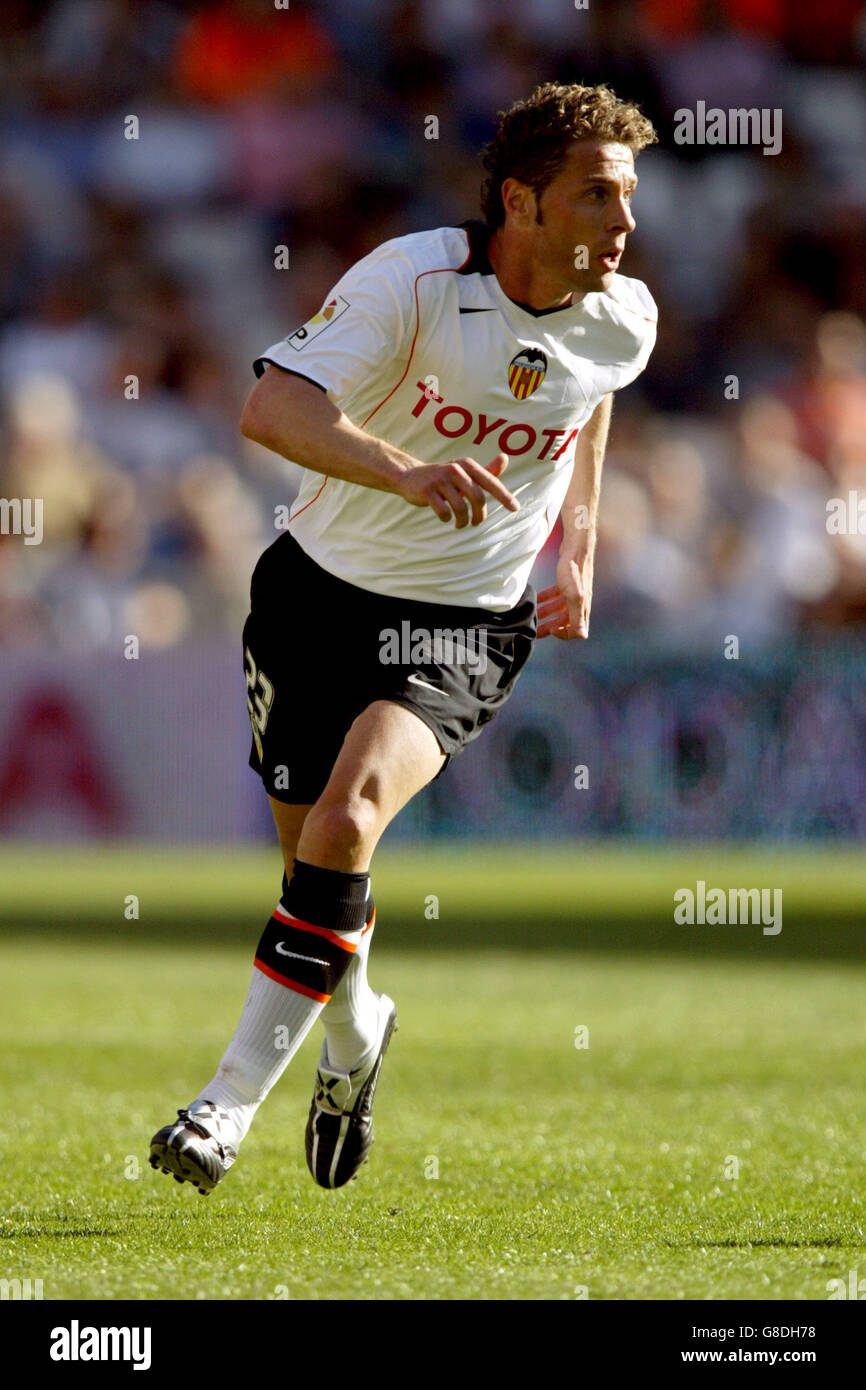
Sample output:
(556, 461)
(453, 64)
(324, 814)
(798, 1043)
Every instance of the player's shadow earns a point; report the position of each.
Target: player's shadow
(731, 1243)
(61, 1232)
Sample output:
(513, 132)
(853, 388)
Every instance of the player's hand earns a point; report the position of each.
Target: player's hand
(458, 490)
(563, 609)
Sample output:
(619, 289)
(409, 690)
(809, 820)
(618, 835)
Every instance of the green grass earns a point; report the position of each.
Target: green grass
(558, 1169)
(586, 895)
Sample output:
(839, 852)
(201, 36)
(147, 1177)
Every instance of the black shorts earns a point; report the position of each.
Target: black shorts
(318, 651)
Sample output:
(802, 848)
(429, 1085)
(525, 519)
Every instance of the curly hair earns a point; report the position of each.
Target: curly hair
(534, 136)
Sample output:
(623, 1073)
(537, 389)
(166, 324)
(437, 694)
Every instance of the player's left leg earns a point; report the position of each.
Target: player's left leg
(351, 1016)
(388, 755)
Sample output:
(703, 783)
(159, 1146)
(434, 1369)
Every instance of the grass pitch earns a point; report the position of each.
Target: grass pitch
(707, 1143)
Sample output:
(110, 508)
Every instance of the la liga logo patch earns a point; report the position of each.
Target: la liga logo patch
(526, 372)
(318, 323)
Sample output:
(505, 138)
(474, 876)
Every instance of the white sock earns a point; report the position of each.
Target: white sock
(275, 1021)
(351, 1018)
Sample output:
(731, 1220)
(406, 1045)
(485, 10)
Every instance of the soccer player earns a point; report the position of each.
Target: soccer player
(391, 621)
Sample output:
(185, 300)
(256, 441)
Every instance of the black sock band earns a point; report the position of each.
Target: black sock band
(307, 955)
(327, 897)
(308, 959)
(369, 907)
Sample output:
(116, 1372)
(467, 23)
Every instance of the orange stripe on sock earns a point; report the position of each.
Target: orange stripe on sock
(283, 916)
(290, 984)
(369, 926)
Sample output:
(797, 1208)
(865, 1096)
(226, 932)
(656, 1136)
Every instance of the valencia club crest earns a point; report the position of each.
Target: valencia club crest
(526, 372)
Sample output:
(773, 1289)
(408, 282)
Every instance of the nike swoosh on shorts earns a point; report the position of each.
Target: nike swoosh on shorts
(415, 679)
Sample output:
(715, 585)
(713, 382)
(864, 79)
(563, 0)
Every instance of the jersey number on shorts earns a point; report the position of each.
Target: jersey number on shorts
(259, 700)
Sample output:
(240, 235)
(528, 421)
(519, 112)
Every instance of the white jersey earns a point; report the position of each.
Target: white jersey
(418, 344)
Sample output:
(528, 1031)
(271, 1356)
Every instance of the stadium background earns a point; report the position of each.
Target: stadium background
(137, 861)
(306, 128)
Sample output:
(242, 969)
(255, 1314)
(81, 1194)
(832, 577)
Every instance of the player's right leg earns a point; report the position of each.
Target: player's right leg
(304, 692)
(306, 949)
(202, 1143)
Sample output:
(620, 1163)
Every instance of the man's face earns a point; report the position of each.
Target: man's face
(583, 216)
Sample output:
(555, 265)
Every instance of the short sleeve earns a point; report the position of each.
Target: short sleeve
(640, 319)
(361, 331)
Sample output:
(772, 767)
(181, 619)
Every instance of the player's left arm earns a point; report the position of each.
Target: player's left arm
(563, 609)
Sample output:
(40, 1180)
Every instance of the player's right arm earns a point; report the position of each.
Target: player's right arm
(295, 418)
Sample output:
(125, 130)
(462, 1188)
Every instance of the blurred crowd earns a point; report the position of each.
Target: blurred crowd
(138, 282)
